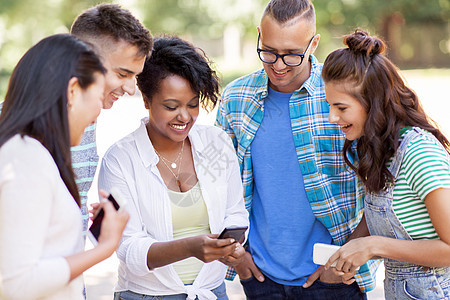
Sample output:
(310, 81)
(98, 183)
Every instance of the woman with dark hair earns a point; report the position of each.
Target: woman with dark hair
(181, 182)
(404, 164)
(55, 91)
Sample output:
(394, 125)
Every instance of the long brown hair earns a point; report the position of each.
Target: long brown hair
(389, 103)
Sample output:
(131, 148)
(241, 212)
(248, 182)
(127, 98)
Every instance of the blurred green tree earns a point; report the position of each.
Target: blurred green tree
(25, 22)
(417, 31)
(406, 25)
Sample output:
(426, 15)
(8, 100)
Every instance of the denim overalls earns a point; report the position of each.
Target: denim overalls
(403, 280)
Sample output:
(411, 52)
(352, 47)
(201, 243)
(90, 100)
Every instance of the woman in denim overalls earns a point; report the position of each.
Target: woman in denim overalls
(403, 158)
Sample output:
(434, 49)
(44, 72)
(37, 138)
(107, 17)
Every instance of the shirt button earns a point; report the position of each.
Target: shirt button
(248, 137)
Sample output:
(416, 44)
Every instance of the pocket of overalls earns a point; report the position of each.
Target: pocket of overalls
(377, 220)
(423, 287)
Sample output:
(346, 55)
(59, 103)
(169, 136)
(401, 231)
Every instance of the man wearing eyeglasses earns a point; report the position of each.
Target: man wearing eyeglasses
(296, 186)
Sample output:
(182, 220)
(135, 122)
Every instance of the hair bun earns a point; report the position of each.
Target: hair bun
(361, 42)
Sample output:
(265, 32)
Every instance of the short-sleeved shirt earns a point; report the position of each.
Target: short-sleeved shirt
(425, 168)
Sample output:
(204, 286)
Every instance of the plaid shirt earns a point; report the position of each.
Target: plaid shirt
(335, 194)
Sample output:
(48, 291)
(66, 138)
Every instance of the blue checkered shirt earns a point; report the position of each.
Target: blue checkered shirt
(334, 192)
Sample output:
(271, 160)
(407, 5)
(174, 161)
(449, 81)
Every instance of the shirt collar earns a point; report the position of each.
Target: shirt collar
(314, 79)
(144, 145)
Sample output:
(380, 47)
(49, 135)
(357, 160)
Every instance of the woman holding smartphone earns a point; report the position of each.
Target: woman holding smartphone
(54, 92)
(181, 181)
(404, 164)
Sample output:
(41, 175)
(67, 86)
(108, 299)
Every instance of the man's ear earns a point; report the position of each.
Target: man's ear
(73, 88)
(315, 43)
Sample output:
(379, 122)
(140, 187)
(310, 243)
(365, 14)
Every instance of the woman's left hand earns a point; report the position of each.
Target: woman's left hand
(234, 258)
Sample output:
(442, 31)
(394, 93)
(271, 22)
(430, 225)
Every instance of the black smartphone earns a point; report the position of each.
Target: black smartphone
(94, 230)
(237, 233)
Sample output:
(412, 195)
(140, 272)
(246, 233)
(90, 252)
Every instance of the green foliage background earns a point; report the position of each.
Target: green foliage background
(418, 32)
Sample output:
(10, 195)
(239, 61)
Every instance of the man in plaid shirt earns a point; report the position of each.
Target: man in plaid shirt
(297, 187)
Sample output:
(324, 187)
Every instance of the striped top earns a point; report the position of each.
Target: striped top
(84, 163)
(335, 194)
(425, 168)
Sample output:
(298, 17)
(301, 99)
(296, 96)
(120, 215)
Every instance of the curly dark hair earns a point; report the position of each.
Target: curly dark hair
(115, 22)
(389, 103)
(174, 56)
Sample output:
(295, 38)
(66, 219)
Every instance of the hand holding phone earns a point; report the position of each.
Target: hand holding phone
(118, 203)
(323, 252)
(237, 233)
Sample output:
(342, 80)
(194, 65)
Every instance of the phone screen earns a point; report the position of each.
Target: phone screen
(233, 232)
(97, 222)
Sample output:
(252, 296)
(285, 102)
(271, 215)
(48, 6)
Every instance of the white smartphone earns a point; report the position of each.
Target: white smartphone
(94, 230)
(322, 252)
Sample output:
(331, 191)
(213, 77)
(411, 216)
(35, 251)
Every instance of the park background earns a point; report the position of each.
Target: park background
(417, 33)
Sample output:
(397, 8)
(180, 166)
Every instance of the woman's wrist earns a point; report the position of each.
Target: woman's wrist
(105, 249)
(376, 246)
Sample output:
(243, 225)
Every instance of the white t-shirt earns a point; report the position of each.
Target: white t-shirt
(40, 224)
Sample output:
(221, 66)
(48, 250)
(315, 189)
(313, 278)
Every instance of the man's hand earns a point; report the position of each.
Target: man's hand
(247, 268)
(328, 276)
(234, 258)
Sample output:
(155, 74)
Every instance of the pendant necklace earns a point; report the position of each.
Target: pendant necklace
(173, 165)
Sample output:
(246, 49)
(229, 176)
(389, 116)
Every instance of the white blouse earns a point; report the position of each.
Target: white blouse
(40, 224)
(130, 165)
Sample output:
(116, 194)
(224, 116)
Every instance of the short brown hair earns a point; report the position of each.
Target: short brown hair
(115, 22)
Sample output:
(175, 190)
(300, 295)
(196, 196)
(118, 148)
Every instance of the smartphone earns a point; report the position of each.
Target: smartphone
(237, 233)
(94, 230)
(322, 252)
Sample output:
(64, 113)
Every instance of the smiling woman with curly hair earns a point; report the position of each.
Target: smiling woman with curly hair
(182, 181)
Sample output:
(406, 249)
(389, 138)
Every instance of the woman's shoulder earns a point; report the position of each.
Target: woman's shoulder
(126, 143)
(26, 152)
(210, 133)
(423, 139)
(425, 146)
(25, 146)
(206, 128)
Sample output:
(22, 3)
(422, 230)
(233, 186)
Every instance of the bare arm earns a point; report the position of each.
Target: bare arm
(361, 230)
(206, 248)
(431, 253)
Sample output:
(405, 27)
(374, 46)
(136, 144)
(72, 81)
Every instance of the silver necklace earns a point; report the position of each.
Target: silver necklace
(173, 164)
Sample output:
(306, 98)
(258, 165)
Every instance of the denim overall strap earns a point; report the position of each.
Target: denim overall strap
(380, 217)
(403, 280)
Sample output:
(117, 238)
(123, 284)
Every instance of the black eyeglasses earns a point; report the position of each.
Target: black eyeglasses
(291, 59)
